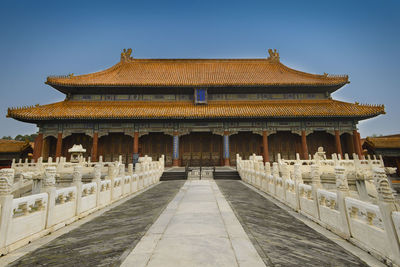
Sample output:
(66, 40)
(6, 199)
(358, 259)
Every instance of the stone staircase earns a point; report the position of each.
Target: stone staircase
(226, 175)
(173, 175)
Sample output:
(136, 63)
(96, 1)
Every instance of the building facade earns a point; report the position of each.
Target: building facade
(197, 112)
(387, 146)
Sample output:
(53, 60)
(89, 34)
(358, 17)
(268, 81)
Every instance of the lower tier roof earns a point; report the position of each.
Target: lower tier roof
(72, 110)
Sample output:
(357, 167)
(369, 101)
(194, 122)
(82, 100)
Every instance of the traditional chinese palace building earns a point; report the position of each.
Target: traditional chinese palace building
(197, 112)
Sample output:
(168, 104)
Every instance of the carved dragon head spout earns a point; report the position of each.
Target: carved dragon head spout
(273, 55)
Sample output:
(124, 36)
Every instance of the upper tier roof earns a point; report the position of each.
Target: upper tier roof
(132, 72)
(83, 110)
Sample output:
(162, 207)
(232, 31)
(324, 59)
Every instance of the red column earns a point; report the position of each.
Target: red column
(226, 148)
(356, 143)
(175, 150)
(94, 146)
(37, 150)
(265, 147)
(136, 143)
(359, 144)
(59, 145)
(304, 147)
(338, 143)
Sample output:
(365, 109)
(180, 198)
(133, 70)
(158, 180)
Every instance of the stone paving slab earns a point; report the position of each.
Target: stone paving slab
(107, 239)
(281, 239)
(198, 228)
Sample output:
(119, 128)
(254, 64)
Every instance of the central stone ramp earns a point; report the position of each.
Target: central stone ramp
(198, 228)
(281, 239)
(107, 239)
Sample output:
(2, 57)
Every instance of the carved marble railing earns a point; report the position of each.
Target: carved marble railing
(27, 218)
(371, 223)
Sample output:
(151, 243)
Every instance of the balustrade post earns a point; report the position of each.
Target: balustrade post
(49, 187)
(77, 181)
(342, 191)
(275, 174)
(6, 203)
(121, 174)
(267, 176)
(316, 184)
(97, 180)
(130, 173)
(139, 173)
(285, 176)
(298, 179)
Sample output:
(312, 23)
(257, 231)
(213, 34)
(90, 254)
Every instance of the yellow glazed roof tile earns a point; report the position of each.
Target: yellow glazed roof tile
(69, 109)
(198, 72)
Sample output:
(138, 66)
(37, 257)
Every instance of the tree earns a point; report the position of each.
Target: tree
(7, 137)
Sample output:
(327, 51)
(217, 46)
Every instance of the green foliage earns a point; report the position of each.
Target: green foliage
(27, 137)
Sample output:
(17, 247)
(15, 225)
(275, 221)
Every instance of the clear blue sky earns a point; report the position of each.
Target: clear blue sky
(358, 38)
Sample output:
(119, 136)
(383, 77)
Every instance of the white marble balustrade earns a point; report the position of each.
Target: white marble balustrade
(370, 221)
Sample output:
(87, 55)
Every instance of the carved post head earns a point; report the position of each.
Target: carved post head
(267, 168)
(315, 176)
(97, 171)
(285, 171)
(49, 177)
(341, 178)
(6, 181)
(275, 169)
(111, 171)
(77, 174)
(382, 186)
(121, 170)
(297, 173)
(130, 168)
(138, 168)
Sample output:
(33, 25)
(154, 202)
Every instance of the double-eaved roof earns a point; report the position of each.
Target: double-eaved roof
(146, 74)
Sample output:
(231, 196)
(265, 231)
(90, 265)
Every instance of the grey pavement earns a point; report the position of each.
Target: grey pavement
(106, 240)
(281, 239)
(198, 228)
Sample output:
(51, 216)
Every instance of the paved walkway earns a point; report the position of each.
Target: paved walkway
(198, 228)
(107, 239)
(281, 239)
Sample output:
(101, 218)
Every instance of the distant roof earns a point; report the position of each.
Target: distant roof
(389, 141)
(12, 146)
(132, 72)
(69, 109)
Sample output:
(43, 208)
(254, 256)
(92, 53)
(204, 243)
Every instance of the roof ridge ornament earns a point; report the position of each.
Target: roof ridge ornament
(273, 55)
(126, 55)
